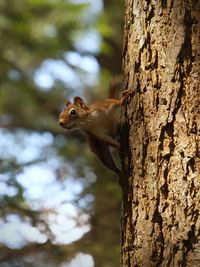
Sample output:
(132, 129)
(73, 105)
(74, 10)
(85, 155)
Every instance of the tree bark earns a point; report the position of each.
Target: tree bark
(160, 134)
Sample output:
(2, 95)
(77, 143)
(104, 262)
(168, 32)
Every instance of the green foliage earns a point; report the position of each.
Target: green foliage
(31, 32)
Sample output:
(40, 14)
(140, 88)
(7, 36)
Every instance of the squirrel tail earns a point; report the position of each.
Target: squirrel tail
(116, 87)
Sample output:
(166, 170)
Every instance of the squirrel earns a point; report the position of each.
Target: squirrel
(100, 121)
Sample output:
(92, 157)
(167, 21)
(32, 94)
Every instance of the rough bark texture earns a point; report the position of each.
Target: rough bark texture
(161, 190)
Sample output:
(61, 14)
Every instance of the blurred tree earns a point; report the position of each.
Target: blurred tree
(36, 35)
(111, 56)
(32, 31)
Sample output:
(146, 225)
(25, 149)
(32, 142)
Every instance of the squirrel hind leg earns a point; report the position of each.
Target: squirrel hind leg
(104, 154)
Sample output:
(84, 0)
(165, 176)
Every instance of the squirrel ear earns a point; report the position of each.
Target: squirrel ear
(78, 101)
(67, 103)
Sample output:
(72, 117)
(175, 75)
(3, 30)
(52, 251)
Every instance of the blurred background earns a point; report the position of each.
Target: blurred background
(58, 205)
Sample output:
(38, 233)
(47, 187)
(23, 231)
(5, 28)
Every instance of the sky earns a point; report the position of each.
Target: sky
(60, 212)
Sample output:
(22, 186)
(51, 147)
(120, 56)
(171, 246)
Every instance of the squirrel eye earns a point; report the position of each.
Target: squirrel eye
(73, 112)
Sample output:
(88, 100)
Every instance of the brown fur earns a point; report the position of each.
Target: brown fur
(100, 121)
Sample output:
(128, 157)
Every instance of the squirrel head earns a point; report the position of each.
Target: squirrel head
(74, 114)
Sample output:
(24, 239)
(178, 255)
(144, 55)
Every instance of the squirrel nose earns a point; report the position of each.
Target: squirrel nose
(61, 122)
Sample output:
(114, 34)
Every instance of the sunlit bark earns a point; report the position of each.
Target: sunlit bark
(161, 190)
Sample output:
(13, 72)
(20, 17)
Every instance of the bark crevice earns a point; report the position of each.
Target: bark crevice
(162, 71)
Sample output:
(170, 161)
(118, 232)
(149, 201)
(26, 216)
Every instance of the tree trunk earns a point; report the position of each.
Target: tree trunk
(160, 130)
